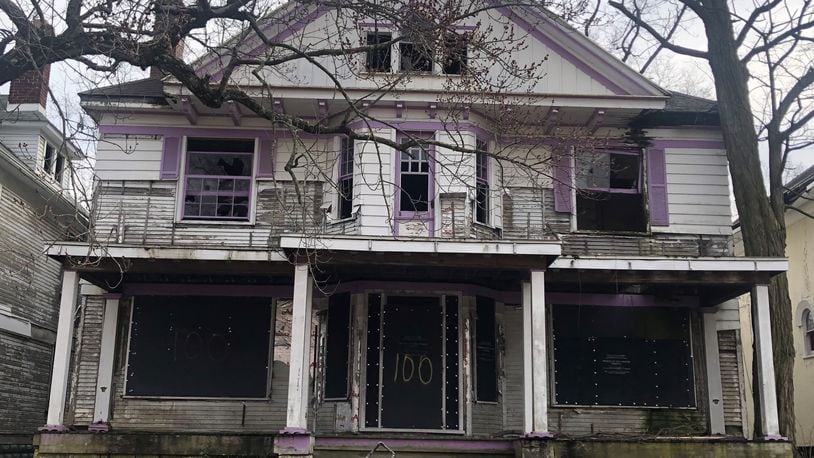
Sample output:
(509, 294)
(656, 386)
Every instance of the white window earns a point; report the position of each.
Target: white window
(53, 163)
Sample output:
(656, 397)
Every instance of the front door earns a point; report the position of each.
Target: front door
(415, 379)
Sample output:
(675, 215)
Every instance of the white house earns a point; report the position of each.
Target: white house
(442, 269)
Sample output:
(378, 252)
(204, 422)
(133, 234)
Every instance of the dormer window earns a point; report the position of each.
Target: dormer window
(53, 163)
(415, 56)
(455, 54)
(378, 59)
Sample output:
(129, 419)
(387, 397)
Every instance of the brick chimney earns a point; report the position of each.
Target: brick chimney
(32, 86)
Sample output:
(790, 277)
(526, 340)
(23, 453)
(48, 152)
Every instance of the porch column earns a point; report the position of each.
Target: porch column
(62, 352)
(763, 353)
(295, 439)
(713, 365)
(535, 359)
(104, 377)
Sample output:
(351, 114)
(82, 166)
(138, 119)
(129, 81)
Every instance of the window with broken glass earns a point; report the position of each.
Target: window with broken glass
(609, 191)
(218, 179)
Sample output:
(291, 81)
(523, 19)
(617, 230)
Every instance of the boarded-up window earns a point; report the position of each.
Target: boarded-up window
(485, 350)
(337, 347)
(622, 356)
(199, 346)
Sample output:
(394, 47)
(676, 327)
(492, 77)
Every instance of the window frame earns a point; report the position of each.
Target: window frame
(464, 63)
(183, 185)
(482, 180)
(269, 370)
(345, 170)
(807, 325)
(430, 155)
(638, 190)
(389, 50)
(417, 46)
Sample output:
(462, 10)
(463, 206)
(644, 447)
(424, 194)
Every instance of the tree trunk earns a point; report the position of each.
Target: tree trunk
(763, 234)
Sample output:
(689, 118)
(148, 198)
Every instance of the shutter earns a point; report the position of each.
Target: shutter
(171, 158)
(496, 192)
(486, 382)
(562, 181)
(657, 187)
(265, 158)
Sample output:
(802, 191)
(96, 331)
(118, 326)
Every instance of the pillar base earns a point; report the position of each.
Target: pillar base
(294, 442)
(99, 427)
(53, 429)
(775, 437)
(535, 445)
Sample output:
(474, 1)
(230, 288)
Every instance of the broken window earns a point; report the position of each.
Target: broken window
(59, 168)
(218, 179)
(415, 56)
(378, 58)
(609, 191)
(481, 183)
(48, 162)
(455, 54)
(346, 179)
(622, 356)
(415, 179)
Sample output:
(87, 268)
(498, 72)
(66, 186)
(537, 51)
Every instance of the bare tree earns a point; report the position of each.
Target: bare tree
(765, 47)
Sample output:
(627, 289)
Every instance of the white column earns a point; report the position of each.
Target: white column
(300, 351)
(535, 358)
(62, 352)
(713, 364)
(765, 374)
(104, 377)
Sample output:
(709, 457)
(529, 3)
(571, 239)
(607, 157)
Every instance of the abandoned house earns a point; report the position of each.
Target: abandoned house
(37, 206)
(486, 275)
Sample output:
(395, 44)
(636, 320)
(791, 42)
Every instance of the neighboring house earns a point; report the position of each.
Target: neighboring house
(36, 207)
(435, 300)
(799, 244)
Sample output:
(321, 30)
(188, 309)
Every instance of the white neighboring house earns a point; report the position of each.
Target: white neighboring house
(36, 208)
(457, 304)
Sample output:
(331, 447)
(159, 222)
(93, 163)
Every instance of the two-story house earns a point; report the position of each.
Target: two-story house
(37, 206)
(539, 271)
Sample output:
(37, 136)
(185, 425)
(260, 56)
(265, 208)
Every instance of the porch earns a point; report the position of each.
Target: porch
(470, 344)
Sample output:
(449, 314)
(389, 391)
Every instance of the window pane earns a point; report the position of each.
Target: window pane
(220, 164)
(346, 198)
(242, 185)
(210, 184)
(414, 193)
(221, 145)
(194, 184)
(191, 209)
(208, 209)
(455, 54)
(226, 185)
(809, 320)
(624, 171)
(415, 57)
(593, 171)
(482, 203)
(378, 59)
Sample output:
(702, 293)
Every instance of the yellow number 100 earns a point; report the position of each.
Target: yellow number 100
(425, 379)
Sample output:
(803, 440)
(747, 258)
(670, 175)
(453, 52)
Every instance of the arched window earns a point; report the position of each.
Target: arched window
(808, 331)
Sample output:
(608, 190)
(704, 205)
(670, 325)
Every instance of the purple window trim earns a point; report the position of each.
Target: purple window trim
(249, 203)
(428, 216)
(170, 158)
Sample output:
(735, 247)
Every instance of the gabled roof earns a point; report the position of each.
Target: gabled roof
(682, 110)
(151, 89)
(798, 186)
